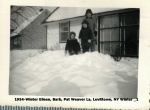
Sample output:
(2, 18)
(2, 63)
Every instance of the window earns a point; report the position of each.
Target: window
(119, 30)
(64, 31)
(15, 42)
(109, 34)
(130, 33)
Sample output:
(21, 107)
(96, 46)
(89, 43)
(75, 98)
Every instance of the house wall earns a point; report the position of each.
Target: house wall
(53, 33)
(75, 25)
(34, 35)
(53, 36)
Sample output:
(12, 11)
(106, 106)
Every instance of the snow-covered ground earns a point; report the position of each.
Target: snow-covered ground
(53, 73)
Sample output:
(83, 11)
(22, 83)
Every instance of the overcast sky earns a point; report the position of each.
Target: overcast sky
(51, 9)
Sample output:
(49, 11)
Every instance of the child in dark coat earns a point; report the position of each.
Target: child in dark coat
(72, 45)
(85, 36)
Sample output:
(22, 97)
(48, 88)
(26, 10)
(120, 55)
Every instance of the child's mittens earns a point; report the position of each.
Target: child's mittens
(89, 41)
(95, 33)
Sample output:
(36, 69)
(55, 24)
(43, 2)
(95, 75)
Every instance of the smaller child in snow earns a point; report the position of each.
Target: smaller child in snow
(85, 36)
(72, 45)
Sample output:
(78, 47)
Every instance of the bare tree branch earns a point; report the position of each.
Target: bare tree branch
(33, 9)
(22, 15)
(15, 21)
(15, 10)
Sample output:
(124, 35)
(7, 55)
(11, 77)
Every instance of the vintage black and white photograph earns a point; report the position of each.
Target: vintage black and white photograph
(74, 51)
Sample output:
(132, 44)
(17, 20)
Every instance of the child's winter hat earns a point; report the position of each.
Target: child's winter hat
(72, 33)
(88, 11)
(85, 22)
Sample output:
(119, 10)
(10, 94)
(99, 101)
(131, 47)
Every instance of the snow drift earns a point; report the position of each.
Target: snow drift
(53, 73)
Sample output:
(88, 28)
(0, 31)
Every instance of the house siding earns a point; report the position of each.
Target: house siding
(53, 36)
(75, 26)
(53, 33)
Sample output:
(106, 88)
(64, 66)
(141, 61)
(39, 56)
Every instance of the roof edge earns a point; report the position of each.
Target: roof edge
(44, 21)
(101, 14)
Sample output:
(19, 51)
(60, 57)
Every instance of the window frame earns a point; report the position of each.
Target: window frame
(16, 39)
(61, 32)
(109, 28)
(100, 43)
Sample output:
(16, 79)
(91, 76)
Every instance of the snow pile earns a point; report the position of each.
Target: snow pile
(53, 73)
(17, 56)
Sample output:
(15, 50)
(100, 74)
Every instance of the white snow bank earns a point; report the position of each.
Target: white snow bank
(17, 56)
(53, 73)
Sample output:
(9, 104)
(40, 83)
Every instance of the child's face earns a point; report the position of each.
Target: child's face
(89, 15)
(72, 36)
(84, 25)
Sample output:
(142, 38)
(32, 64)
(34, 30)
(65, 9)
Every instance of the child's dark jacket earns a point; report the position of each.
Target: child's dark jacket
(72, 45)
(85, 34)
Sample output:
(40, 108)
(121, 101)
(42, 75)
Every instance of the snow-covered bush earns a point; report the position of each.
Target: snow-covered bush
(117, 54)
